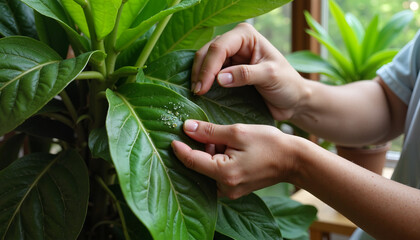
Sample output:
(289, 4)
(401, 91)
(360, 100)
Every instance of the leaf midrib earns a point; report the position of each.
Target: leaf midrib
(155, 150)
(40, 175)
(197, 26)
(27, 72)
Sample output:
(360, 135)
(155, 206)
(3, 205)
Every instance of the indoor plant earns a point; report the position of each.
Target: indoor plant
(365, 51)
(86, 132)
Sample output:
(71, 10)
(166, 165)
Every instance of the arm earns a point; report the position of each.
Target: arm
(360, 113)
(251, 157)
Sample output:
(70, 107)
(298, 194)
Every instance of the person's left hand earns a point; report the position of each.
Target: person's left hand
(241, 158)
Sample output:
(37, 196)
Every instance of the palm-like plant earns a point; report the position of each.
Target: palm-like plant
(366, 49)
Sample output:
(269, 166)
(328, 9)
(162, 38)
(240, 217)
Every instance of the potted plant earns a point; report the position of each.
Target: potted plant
(366, 49)
(91, 95)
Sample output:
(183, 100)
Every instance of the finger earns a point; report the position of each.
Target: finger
(215, 54)
(210, 133)
(196, 160)
(211, 149)
(242, 75)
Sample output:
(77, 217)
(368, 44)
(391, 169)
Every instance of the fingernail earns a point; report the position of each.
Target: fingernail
(225, 78)
(190, 126)
(193, 86)
(197, 87)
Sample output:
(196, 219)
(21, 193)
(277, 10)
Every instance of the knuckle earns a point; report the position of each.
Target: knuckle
(238, 130)
(215, 46)
(233, 195)
(245, 74)
(209, 129)
(271, 70)
(245, 25)
(231, 180)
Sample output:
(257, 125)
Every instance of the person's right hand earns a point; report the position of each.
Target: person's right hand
(247, 58)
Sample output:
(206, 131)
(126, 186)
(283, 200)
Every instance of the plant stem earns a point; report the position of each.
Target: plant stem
(96, 44)
(117, 204)
(152, 41)
(90, 75)
(59, 118)
(110, 43)
(69, 105)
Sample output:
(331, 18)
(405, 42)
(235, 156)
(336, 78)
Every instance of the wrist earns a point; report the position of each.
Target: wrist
(302, 152)
(304, 100)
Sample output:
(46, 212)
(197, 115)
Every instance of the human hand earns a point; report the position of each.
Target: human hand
(249, 59)
(241, 158)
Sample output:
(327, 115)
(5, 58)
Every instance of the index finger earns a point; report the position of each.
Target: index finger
(196, 160)
(209, 59)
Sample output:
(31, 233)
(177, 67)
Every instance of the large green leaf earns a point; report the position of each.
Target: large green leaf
(31, 74)
(370, 38)
(292, 217)
(308, 62)
(53, 9)
(222, 105)
(393, 28)
(44, 197)
(171, 200)
(246, 218)
(104, 15)
(348, 34)
(98, 144)
(133, 10)
(16, 19)
(130, 35)
(180, 31)
(376, 61)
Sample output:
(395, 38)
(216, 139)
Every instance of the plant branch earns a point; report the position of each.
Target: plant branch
(110, 43)
(59, 118)
(96, 44)
(117, 204)
(90, 75)
(69, 105)
(152, 41)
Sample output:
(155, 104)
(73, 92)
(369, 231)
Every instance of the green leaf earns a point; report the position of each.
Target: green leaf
(222, 105)
(104, 15)
(53, 9)
(308, 62)
(208, 13)
(136, 9)
(348, 34)
(9, 149)
(130, 35)
(168, 198)
(31, 74)
(292, 217)
(44, 197)
(370, 39)
(246, 218)
(376, 61)
(98, 144)
(51, 33)
(356, 25)
(16, 19)
(393, 28)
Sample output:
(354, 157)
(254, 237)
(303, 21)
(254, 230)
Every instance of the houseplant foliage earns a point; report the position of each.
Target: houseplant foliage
(87, 129)
(365, 48)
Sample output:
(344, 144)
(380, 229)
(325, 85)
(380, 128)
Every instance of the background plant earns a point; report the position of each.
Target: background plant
(87, 129)
(366, 48)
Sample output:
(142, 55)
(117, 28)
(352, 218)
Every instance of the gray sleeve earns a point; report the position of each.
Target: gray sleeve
(401, 74)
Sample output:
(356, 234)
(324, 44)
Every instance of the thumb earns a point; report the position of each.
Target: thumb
(241, 75)
(209, 133)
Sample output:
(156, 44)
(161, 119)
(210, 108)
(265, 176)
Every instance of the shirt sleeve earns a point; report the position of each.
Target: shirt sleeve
(401, 74)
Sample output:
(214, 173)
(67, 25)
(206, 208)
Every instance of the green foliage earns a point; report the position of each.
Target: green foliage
(94, 124)
(365, 49)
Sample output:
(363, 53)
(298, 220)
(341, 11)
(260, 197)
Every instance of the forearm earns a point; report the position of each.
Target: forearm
(353, 114)
(384, 208)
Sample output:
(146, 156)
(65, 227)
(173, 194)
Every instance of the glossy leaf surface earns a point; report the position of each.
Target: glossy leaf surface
(53, 9)
(171, 200)
(16, 19)
(104, 15)
(31, 74)
(222, 105)
(44, 197)
(292, 217)
(131, 34)
(208, 14)
(246, 218)
(98, 144)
